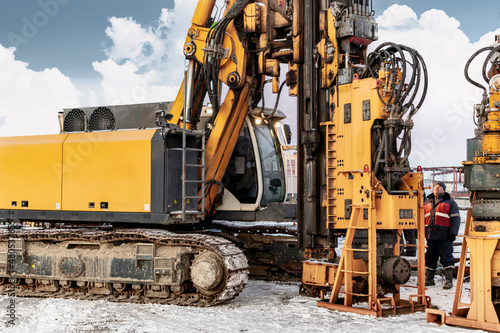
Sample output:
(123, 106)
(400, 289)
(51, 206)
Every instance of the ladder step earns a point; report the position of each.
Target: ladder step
(351, 249)
(354, 294)
(354, 272)
(200, 166)
(408, 286)
(190, 149)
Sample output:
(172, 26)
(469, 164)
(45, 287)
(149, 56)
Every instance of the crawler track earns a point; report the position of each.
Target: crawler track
(234, 264)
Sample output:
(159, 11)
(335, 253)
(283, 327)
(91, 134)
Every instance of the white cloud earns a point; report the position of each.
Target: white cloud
(398, 17)
(444, 122)
(145, 63)
(30, 100)
(143, 46)
(124, 84)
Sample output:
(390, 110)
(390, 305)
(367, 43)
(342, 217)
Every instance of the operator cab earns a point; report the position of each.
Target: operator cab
(255, 176)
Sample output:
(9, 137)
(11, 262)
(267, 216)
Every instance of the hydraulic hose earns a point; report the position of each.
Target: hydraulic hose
(485, 64)
(408, 85)
(466, 69)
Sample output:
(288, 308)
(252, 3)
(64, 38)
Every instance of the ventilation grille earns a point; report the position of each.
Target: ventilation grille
(74, 121)
(163, 263)
(102, 119)
(145, 249)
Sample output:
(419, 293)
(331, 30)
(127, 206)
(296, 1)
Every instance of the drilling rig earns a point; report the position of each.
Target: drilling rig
(357, 176)
(481, 236)
(151, 185)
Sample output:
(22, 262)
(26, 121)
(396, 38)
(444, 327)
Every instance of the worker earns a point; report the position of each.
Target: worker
(442, 221)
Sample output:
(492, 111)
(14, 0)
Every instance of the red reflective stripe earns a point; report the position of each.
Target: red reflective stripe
(442, 221)
(442, 218)
(443, 208)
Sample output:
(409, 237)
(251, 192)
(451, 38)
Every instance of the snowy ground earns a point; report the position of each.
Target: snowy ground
(261, 307)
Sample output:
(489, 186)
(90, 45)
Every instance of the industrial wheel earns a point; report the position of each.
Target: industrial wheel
(119, 286)
(82, 284)
(138, 287)
(65, 284)
(29, 282)
(207, 273)
(47, 285)
(100, 288)
(157, 291)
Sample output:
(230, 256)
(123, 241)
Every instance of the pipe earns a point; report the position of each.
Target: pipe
(202, 12)
(188, 93)
(60, 116)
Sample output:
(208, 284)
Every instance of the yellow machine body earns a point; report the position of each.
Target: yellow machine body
(355, 200)
(482, 229)
(30, 172)
(69, 172)
(371, 213)
(103, 167)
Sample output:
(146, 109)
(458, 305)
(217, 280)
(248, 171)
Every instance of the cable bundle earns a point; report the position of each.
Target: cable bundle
(495, 64)
(396, 58)
(214, 52)
(406, 78)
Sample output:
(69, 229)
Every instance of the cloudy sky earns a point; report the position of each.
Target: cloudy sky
(56, 54)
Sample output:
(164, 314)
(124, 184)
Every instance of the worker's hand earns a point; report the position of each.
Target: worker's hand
(451, 238)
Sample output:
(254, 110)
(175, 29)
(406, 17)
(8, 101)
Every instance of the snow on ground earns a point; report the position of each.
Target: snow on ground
(261, 307)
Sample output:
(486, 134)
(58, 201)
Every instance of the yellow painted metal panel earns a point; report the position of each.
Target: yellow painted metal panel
(481, 253)
(349, 149)
(111, 167)
(491, 143)
(349, 143)
(354, 147)
(31, 171)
